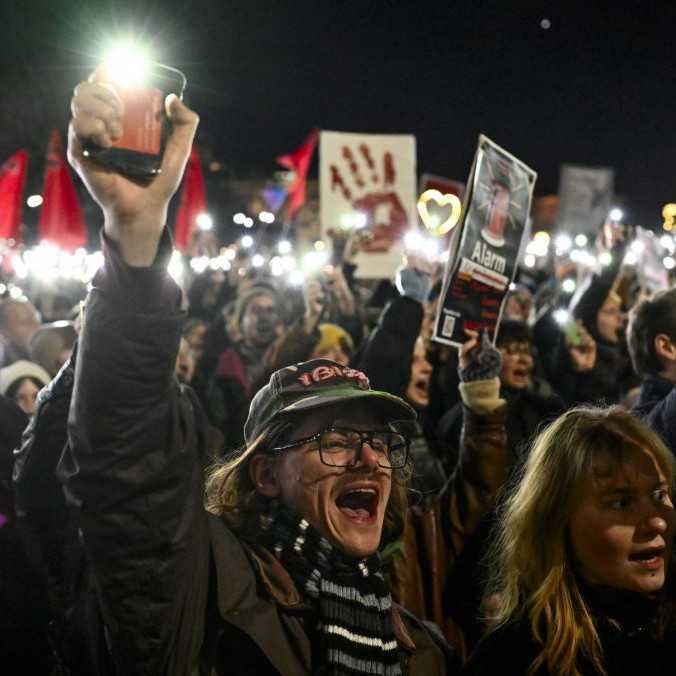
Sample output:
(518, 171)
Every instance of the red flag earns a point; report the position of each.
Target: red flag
(12, 180)
(299, 162)
(193, 201)
(60, 217)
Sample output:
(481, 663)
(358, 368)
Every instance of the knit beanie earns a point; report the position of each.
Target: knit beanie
(20, 370)
(332, 335)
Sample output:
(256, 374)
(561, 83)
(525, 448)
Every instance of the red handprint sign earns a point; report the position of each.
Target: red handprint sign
(368, 180)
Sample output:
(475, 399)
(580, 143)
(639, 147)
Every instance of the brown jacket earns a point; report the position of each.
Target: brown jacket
(262, 620)
(435, 536)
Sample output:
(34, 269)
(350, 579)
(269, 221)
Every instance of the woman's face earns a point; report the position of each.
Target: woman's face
(26, 395)
(346, 504)
(610, 320)
(623, 524)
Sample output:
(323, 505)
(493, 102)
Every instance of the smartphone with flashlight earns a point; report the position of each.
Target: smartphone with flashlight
(145, 126)
(572, 331)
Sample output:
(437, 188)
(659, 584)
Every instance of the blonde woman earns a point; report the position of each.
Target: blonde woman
(581, 554)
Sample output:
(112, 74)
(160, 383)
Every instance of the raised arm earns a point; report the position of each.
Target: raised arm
(133, 465)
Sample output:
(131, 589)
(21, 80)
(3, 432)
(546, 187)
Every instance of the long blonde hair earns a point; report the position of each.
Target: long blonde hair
(530, 560)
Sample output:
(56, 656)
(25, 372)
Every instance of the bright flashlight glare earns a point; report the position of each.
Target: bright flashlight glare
(239, 218)
(630, 258)
(258, 261)
(568, 285)
(296, 278)
(561, 316)
(34, 201)
(669, 262)
(581, 240)
(284, 247)
(637, 246)
(615, 214)
(246, 241)
(204, 221)
(563, 243)
(529, 261)
(605, 258)
(667, 242)
(127, 63)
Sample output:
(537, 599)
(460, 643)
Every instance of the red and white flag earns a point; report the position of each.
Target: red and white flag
(61, 219)
(299, 162)
(12, 181)
(193, 201)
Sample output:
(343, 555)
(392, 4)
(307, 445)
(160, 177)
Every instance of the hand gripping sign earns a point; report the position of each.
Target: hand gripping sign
(481, 268)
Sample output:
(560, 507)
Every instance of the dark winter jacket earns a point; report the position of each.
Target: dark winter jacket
(625, 621)
(657, 406)
(386, 358)
(24, 647)
(176, 587)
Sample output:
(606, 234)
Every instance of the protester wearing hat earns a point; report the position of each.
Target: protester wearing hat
(237, 359)
(21, 382)
(282, 575)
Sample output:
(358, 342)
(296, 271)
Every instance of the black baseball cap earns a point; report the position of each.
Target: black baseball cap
(314, 384)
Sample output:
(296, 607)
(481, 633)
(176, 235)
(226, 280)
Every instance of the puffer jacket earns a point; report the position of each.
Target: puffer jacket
(179, 593)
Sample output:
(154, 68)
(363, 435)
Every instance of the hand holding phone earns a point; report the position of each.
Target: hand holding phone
(144, 126)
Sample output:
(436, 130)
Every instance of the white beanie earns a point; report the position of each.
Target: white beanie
(19, 370)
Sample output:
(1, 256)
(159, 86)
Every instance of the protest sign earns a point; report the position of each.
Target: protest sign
(585, 198)
(480, 270)
(368, 181)
(652, 275)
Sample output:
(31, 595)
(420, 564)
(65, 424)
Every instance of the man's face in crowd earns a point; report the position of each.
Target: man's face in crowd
(418, 390)
(622, 528)
(20, 321)
(185, 363)
(610, 320)
(346, 504)
(517, 364)
(260, 321)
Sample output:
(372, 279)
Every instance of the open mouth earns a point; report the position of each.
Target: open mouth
(650, 558)
(421, 387)
(359, 504)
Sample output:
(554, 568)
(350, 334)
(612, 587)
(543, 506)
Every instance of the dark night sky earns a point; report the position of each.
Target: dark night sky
(596, 88)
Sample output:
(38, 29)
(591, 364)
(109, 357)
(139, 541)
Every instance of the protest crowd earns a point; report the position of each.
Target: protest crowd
(257, 473)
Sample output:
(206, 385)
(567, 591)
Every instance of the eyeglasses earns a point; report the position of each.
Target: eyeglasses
(517, 349)
(341, 447)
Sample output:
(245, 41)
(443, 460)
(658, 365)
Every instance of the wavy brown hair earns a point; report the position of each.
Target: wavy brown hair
(232, 495)
(531, 562)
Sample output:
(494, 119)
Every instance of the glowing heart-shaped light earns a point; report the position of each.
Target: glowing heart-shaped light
(432, 222)
(669, 215)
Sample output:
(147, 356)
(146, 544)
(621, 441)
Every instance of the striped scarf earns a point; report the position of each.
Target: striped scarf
(350, 596)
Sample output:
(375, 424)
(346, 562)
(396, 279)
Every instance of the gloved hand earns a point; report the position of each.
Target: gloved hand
(478, 359)
(413, 283)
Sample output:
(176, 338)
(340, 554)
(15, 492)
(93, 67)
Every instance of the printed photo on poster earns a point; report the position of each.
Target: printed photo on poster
(479, 272)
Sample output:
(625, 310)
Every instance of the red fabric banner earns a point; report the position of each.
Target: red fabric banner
(12, 180)
(193, 201)
(61, 219)
(299, 162)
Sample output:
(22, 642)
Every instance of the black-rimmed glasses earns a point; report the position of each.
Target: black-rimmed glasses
(342, 447)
